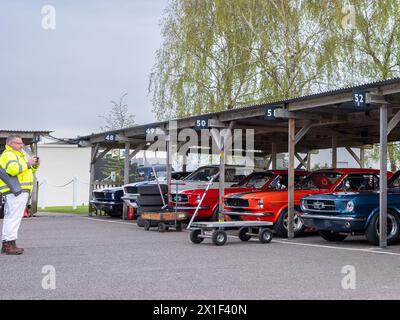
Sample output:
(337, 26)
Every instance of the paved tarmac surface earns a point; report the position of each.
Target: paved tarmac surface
(102, 258)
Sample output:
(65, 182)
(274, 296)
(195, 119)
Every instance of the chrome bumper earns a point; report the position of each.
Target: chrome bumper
(105, 202)
(329, 217)
(255, 214)
(189, 208)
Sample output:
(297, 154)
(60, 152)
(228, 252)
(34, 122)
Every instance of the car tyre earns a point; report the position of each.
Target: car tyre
(214, 216)
(393, 223)
(281, 229)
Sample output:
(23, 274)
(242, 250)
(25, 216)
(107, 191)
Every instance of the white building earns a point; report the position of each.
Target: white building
(60, 163)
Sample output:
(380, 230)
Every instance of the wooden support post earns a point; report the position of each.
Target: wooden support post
(362, 157)
(303, 162)
(169, 166)
(308, 168)
(221, 177)
(393, 122)
(383, 177)
(273, 155)
(291, 144)
(126, 176)
(269, 161)
(354, 156)
(222, 159)
(334, 151)
(91, 182)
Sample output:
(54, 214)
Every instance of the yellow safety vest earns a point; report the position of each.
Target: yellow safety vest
(16, 164)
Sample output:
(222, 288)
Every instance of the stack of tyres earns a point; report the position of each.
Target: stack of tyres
(149, 199)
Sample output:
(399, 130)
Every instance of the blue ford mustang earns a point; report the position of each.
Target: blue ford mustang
(337, 215)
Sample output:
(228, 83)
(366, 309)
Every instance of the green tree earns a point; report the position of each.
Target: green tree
(117, 118)
(220, 54)
(373, 52)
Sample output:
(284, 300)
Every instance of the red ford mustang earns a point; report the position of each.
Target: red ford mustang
(188, 200)
(270, 205)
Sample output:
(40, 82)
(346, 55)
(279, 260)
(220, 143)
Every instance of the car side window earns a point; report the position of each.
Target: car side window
(360, 182)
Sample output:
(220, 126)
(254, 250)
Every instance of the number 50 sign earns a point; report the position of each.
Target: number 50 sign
(201, 123)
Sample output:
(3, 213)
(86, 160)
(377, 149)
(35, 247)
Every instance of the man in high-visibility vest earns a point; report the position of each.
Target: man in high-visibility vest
(15, 164)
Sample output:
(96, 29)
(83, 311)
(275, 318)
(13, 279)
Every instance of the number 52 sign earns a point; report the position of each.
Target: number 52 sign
(359, 98)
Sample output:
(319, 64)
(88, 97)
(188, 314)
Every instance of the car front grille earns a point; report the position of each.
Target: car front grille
(320, 205)
(180, 198)
(100, 195)
(236, 202)
(131, 190)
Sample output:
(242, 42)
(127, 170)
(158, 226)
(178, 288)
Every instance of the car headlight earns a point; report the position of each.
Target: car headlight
(350, 206)
(302, 206)
(198, 198)
(113, 196)
(260, 203)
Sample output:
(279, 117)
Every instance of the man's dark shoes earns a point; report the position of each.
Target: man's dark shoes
(9, 247)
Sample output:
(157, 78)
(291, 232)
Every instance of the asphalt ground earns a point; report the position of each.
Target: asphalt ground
(102, 258)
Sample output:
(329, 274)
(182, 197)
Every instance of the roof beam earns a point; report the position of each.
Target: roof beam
(357, 158)
(302, 132)
(393, 122)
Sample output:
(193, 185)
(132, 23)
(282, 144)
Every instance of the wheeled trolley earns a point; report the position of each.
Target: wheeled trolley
(247, 230)
(163, 220)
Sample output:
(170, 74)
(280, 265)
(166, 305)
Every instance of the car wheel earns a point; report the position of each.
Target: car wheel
(219, 237)
(265, 236)
(332, 236)
(243, 234)
(281, 225)
(178, 227)
(195, 236)
(214, 216)
(393, 229)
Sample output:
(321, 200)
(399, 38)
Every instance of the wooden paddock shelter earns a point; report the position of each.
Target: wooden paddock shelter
(353, 117)
(31, 139)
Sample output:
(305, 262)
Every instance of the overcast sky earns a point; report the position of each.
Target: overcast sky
(63, 79)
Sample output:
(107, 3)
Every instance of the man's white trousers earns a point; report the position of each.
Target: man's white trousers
(13, 213)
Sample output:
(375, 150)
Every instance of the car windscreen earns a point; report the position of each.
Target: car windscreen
(256, 180)
(319, 180)
(281, 181)
(202, 174)
(359, 182)
(394, 182)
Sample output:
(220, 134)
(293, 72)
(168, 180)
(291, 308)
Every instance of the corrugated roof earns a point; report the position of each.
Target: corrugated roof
(25, 131)
(273, 102)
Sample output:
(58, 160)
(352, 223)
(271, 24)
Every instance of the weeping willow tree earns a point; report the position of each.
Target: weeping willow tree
(372, 52)
(220, 54)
